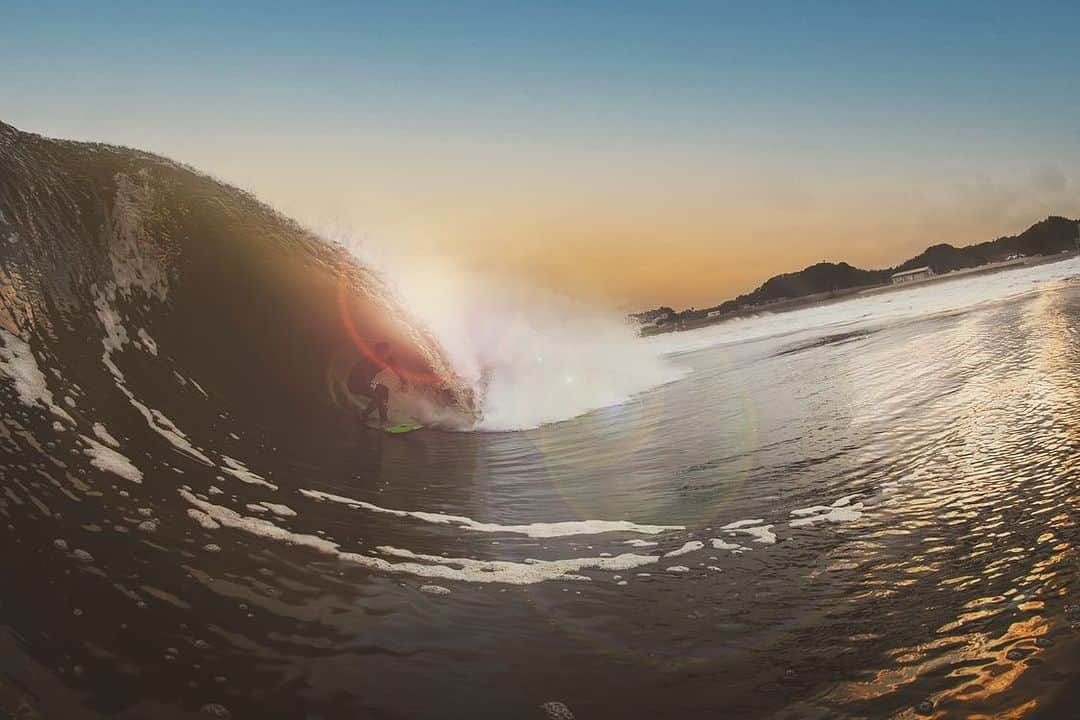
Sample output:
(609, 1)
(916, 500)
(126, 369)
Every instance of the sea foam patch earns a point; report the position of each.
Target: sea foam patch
(17, 361)
(105, 436)
(428, 566)
(692, 546)
(760, 533)
(843, 510)
(241, 472)
(721, 544)
(106, 458)
(533, 530)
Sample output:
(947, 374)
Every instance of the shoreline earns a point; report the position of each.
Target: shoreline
(836, 296)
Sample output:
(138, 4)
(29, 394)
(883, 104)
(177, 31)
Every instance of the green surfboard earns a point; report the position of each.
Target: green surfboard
(399, 429)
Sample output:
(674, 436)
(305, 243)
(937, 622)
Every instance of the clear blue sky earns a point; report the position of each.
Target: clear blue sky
(392, 118)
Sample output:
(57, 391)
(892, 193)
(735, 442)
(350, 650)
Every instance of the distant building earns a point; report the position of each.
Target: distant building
(659, 316)
(912, 275)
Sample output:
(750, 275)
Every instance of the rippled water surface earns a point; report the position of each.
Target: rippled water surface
(873, 520)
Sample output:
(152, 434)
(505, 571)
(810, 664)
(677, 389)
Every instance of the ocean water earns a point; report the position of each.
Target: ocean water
(864, 509)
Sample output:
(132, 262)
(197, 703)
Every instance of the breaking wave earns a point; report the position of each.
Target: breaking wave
(120, 250)
(531, 356)
(269, 317)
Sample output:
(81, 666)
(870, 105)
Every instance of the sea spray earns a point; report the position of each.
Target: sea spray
(533, 356)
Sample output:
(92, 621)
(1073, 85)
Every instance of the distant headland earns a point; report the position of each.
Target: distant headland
(825, 280)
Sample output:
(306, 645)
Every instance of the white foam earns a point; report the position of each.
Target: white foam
(533, 530)
(278, 509)
(115, 333)
(720, 544)
(17, 362)
(741, 524)
(839, 512)
(107, 459)
(431, 566)
(689, 547)
(104, 436)
(678, 569)
(230, 518)
(240, 471)
(502, 571)
(148, 342)
(760, 533)
(168, 430)
(203, 519)
(638, 543)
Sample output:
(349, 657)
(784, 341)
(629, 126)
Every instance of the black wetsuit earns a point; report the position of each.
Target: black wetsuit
(362, 382)
(362, 378)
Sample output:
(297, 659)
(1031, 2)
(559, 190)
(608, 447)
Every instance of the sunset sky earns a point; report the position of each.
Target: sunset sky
(637, 153)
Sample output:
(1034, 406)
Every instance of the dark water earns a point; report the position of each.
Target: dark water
(875, 520)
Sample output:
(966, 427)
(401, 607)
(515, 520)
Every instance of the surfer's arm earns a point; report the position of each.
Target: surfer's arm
(394, 369)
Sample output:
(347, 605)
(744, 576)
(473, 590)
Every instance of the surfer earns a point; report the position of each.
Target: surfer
(364, 380)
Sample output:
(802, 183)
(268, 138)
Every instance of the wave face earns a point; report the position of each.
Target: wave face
(109, 253)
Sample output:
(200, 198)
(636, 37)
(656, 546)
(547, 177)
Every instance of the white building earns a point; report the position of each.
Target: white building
(912, 275)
